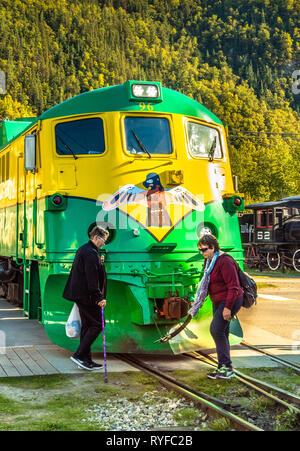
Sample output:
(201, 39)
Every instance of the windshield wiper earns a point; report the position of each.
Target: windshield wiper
(67, 147)
(212, 150)
(140, 144)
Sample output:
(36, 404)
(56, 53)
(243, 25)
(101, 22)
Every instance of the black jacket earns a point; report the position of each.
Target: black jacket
(87, 280)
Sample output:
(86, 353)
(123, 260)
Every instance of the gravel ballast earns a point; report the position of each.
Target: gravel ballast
(152, 411)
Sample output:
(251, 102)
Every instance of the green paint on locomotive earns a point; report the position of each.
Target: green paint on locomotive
(115, 98)
(136, 277)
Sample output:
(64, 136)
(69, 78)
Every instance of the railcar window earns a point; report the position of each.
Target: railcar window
(80, 137)
(203, 141)
(264, 218)
(148, 135)
(287, 212)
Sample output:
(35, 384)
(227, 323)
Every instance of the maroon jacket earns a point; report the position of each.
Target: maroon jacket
(224, 282)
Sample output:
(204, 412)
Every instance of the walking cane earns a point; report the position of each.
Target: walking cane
(104, 346)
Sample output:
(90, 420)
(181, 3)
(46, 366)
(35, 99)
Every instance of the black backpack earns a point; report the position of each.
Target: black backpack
(249, 287)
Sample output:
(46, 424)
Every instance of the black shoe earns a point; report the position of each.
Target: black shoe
(86, 365)
(96, 366)
(76, 360)
(82, 364)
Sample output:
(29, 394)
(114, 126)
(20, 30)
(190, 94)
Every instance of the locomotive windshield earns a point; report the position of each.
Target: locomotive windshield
(203, 141)
(81, 137)
(148, 135)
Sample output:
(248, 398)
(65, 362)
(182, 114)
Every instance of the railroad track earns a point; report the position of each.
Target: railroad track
(213, 406)
(284, 362)
(282, 397)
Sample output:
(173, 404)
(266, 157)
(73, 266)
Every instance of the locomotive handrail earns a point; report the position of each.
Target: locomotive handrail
(20, 155)
(35, 221)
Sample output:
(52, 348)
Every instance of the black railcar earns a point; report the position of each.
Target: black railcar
(271, 234)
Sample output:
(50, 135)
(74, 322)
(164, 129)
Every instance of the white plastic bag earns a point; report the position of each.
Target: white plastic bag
(73, 326)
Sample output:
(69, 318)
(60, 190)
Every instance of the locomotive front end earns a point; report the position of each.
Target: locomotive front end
(152, 167)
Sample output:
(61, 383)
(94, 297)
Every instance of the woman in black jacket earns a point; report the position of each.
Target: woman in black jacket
(86, 286)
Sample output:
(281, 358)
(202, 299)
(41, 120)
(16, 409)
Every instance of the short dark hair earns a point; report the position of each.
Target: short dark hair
(98, 231)
(210, 241)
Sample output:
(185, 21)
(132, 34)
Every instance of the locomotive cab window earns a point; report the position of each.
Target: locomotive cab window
(80, 137)
(147, 136)
(264, 218)
(203, 141)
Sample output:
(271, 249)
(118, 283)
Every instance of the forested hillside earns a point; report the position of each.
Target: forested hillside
(236, 57)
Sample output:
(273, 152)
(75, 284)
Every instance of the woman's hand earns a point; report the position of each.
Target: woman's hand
(227, 314)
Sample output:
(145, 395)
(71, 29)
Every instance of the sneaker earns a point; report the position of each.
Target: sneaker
(75, 360)
(96, 366)
(225, 373)
(213, 375)
(221, 373)
(80, 363)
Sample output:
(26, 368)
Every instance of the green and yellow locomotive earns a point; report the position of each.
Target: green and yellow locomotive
(149, 164)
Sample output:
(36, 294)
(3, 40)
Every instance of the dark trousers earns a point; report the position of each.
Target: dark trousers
(219, 330)
(91, 326)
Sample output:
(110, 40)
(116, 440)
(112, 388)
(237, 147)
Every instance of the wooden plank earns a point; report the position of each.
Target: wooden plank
(8, 367)
(29, 362)
(41, 361)
(59, 358)
(2, 372)
(18, 363)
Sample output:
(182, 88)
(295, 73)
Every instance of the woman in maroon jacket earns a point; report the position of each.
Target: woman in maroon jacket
(226, 295)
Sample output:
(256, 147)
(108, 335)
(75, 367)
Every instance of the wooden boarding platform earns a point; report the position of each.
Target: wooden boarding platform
(25, 361)
(25, 350)
(45, 360)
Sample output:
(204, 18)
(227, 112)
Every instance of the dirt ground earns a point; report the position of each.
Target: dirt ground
(275, 283)
(279, 311)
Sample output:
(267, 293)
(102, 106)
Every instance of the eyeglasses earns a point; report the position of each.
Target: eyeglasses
(203, 249)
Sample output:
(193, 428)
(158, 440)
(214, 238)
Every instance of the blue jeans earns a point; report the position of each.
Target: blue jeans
(219, 330)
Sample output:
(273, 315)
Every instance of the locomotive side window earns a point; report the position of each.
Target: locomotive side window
(80, 137)
(287, 212)
(148, 135)
(4, 168)
(264, 218)
(203, 141)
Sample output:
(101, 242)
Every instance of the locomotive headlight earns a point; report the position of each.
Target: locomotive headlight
(137, 90)
(141, 90)
(145, 91)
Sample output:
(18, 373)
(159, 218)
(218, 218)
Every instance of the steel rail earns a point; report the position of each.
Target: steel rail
(273, 357)
(259, 386)
(208, 403)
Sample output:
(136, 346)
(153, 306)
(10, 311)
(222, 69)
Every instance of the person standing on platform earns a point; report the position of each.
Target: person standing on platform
(226, 295)
(86, 286)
